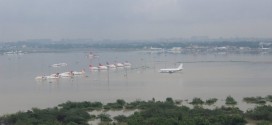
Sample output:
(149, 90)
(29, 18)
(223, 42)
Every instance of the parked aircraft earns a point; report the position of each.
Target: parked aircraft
(172, 70)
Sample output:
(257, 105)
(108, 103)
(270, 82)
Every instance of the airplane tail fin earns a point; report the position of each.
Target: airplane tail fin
(180, 66)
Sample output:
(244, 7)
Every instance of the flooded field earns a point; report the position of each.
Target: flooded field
(203, 76)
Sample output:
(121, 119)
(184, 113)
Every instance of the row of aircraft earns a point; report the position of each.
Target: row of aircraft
(81, 73)
(61, 75)
(127, 64)
(110, 66)
(102, 67)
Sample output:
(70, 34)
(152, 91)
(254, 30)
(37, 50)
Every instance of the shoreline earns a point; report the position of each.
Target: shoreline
(96, 110)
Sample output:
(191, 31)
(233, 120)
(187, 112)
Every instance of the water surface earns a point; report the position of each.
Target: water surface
(203, 76)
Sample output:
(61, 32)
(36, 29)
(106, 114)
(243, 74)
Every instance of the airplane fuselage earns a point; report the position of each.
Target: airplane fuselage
(171, 70)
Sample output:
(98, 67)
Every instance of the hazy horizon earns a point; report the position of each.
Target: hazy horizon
(134, 19)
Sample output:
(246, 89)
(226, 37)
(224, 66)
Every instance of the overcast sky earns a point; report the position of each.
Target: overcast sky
(133, 19)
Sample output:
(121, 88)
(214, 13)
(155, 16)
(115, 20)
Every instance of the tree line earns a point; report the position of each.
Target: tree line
(152, 112)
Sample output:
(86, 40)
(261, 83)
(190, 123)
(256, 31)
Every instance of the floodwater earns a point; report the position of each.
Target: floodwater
(204, 76)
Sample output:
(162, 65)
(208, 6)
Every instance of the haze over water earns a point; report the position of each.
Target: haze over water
(204, 76)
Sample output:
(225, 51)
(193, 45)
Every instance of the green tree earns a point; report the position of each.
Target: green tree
(230, 101)
(211, 101)
(197, 101)
(120, 118)
(120, 102)
(104, 117)
(169, 100)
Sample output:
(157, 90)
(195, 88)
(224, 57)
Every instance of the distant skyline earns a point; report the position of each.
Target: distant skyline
(133, 19)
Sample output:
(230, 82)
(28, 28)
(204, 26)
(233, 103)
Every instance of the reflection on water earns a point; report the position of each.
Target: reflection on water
(203, 76)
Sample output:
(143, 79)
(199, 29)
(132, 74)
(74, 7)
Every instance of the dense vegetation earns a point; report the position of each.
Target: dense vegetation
(148, 113)
(263, 112)
(258, 99)
(164, 113)
(49, 116)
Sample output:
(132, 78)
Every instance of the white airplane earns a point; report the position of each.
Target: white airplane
(79, 73)
(53, 76)
(102, 67)
(112, 66)
(66, 74)
(127, 64)
(172, 70)
(40, 78)
(93, 68)
(119, 65)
